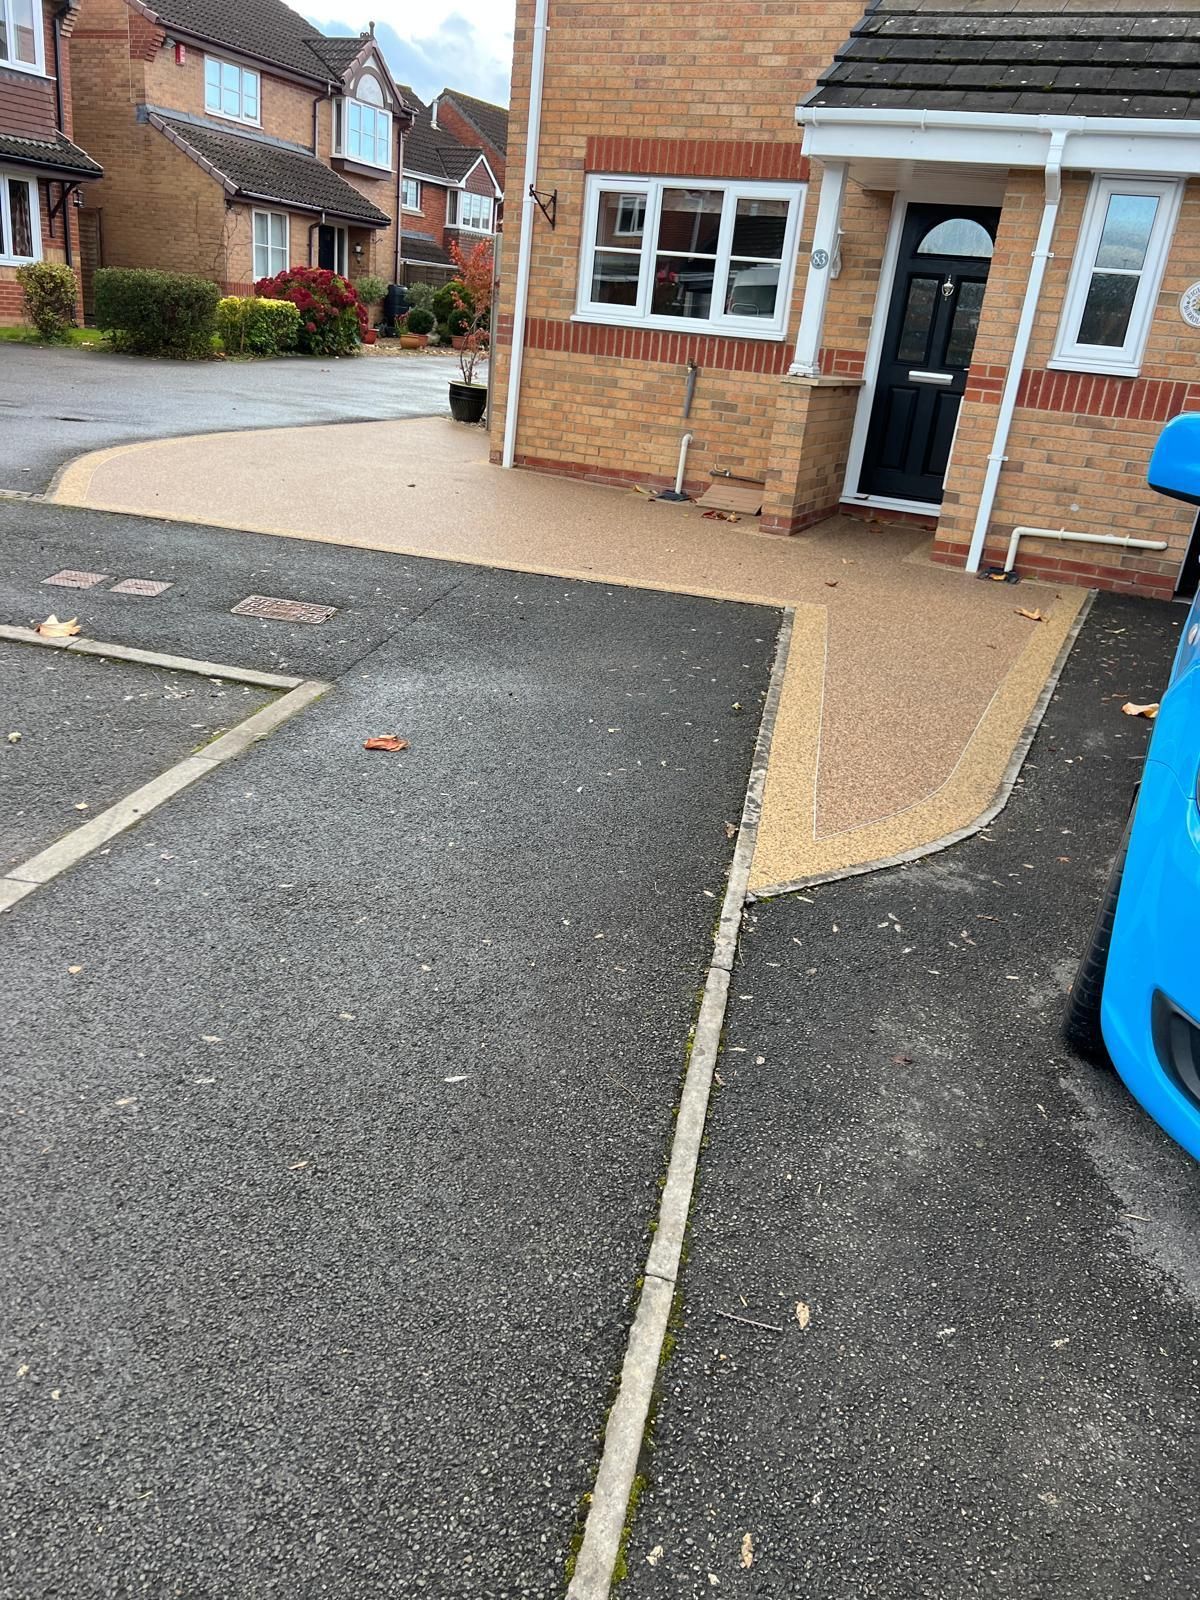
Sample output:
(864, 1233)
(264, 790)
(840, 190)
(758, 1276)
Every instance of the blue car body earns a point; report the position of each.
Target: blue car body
(1150, 1002)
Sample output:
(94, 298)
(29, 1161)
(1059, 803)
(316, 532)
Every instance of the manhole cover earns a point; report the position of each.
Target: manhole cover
(275, 610)
(139, 586)
(68, 578)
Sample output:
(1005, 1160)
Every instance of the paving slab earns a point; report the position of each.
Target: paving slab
(993, 1249)
(330, 1170)
(90, 731)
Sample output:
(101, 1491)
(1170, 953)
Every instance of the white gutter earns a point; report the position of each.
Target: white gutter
(1004, 121)
(1020, 348)
(525, 251)
(1064, 534)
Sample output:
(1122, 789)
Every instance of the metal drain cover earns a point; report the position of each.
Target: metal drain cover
(68, 578)
(148, 586)
(276, 610)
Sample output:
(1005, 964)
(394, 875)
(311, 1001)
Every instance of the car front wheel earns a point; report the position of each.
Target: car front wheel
(1081, 1024)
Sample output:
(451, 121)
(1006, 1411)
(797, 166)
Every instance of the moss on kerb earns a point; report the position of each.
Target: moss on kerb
(621, 1564)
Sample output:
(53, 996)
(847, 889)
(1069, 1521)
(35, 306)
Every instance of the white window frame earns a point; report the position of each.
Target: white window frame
(269, 247)
(38, 64)
(415, 185)
(343, 132)
(640, 315)
(1125, 360)
(462, 195)
(222, 63)
(7, 258)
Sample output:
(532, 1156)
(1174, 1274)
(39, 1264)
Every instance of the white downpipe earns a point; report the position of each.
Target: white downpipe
(1016, 364)
(1065, 534)
(525, 252)
(683, 450)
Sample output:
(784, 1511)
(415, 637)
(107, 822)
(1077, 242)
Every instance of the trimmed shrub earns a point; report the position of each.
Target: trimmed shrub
(257, 327)
(49, 293)
(421, 297)
(370, 289)
(156, 313)
(452, 307)
(419, 320)
(332, 318)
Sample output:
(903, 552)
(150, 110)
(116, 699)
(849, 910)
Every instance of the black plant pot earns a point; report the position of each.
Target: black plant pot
(468, 401)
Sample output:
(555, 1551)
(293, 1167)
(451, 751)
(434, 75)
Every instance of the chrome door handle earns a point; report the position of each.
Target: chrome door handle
(942, 379)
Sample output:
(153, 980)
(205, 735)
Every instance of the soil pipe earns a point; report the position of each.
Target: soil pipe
(525, 250)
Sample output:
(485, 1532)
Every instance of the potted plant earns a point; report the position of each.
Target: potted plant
(472, 303)
(418, 325)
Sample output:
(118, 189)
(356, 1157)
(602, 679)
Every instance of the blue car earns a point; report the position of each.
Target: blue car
(1136, 996)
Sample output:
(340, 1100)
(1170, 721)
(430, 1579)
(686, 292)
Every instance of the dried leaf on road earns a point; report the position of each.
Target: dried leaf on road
(1149, 711)
(803, 1313)
(731, 830)
(655, 1556)
(52, 628)
(747, 1550)
(831, 583)
(1030, 616)
(386, 741)
(14, 738)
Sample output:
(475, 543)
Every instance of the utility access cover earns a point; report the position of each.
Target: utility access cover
(276, 610)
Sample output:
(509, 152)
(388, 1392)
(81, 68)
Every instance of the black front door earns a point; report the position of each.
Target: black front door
(941, 272)
(327, 248)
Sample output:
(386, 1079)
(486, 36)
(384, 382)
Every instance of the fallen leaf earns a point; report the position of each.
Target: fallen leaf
(52, 628)
(81, 805)
(1149, 711)
(1030, 616)
(74, 969)
(14, 738)
(56, 1394)
(731, 830)
(831, 583)
(127, 1100)
(386, 741)
(655, 1556)
(298, 1166)
(803, 1313)
(902, 1061)
(747, 1550)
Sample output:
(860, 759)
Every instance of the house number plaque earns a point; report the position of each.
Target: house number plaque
(1189, 306)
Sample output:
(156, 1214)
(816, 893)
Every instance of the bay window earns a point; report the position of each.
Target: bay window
(21, 34)
(364, 126)
(270, 243)
(1116, 273)
(473, 211)
(230, 91)
(667, 253)
(20, 222)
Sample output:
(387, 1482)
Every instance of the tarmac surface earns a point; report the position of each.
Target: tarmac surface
(54, 404)
(338, 1089)
(976, 1258)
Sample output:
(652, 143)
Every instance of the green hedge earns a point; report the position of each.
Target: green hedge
(48, 293)
(156, 313)
(253, 326)
(450, 320)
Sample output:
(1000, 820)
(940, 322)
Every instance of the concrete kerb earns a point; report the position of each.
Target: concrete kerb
(624, 1434)
(80, 842)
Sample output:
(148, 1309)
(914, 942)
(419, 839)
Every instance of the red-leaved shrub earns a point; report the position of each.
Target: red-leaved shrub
(332, 316)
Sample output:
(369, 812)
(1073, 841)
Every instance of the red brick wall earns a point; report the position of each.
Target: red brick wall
(451, 119)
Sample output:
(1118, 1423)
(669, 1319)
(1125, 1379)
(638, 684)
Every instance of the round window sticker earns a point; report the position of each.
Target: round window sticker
(1189, 306)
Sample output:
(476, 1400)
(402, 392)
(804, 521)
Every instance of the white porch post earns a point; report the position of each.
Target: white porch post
(820, 270)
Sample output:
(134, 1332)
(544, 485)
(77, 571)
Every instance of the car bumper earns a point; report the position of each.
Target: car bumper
(1150, 1009)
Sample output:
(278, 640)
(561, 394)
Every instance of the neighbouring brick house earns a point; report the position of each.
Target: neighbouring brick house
(42, 170)
(236, 140)
(940, 262)
(453, 180)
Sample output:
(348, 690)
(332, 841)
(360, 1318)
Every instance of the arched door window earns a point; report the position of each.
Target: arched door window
(957, 236)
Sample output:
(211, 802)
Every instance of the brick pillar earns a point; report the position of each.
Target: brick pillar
(810, 443)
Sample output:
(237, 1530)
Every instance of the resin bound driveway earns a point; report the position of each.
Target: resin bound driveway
(54, 404)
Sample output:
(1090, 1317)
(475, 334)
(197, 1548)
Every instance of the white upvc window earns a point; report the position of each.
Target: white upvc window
(364, 126)
(20, 220)
(21, 42)
(232, 91)
(1120, 255)
(271, 252)
(472, 211)
(410, 194)
(705, 255)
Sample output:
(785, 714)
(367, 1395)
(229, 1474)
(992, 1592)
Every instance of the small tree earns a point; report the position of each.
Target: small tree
(473, 302)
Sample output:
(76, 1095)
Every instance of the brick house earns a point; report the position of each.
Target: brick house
(937, 262)
(42, 170)
(236, 140)
(453, 180)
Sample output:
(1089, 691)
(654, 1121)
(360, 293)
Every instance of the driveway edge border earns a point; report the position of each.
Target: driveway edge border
(624, 1434)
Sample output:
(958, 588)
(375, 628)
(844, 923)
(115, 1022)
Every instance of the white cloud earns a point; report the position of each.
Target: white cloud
(463, 43)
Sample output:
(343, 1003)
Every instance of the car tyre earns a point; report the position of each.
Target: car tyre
(1081, 1024)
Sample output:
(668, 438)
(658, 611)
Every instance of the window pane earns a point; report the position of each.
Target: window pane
(370, 91)
(24, 36)
(279, 231)
(753, 289)
(759, 227)
(615, 277)
(212, 85)
(690, 222)
(965, 325)
(683, 286)
(1106, 311)
(22, 217)
(621, 218)
(918, 320)
(1126, 234)
(250, 95)
(261, 225)
(957, 236)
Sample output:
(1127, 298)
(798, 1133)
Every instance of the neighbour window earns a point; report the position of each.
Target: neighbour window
(270, 243)
(231, 91)
(410, 194)
(21, 34)
(20, 225)
(473, 211)
(365, 127)
(719, 256)
(1118, 266)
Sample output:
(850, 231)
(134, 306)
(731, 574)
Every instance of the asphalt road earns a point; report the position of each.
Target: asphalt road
(328, 1173)
(57, 404)
(996, 1250)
